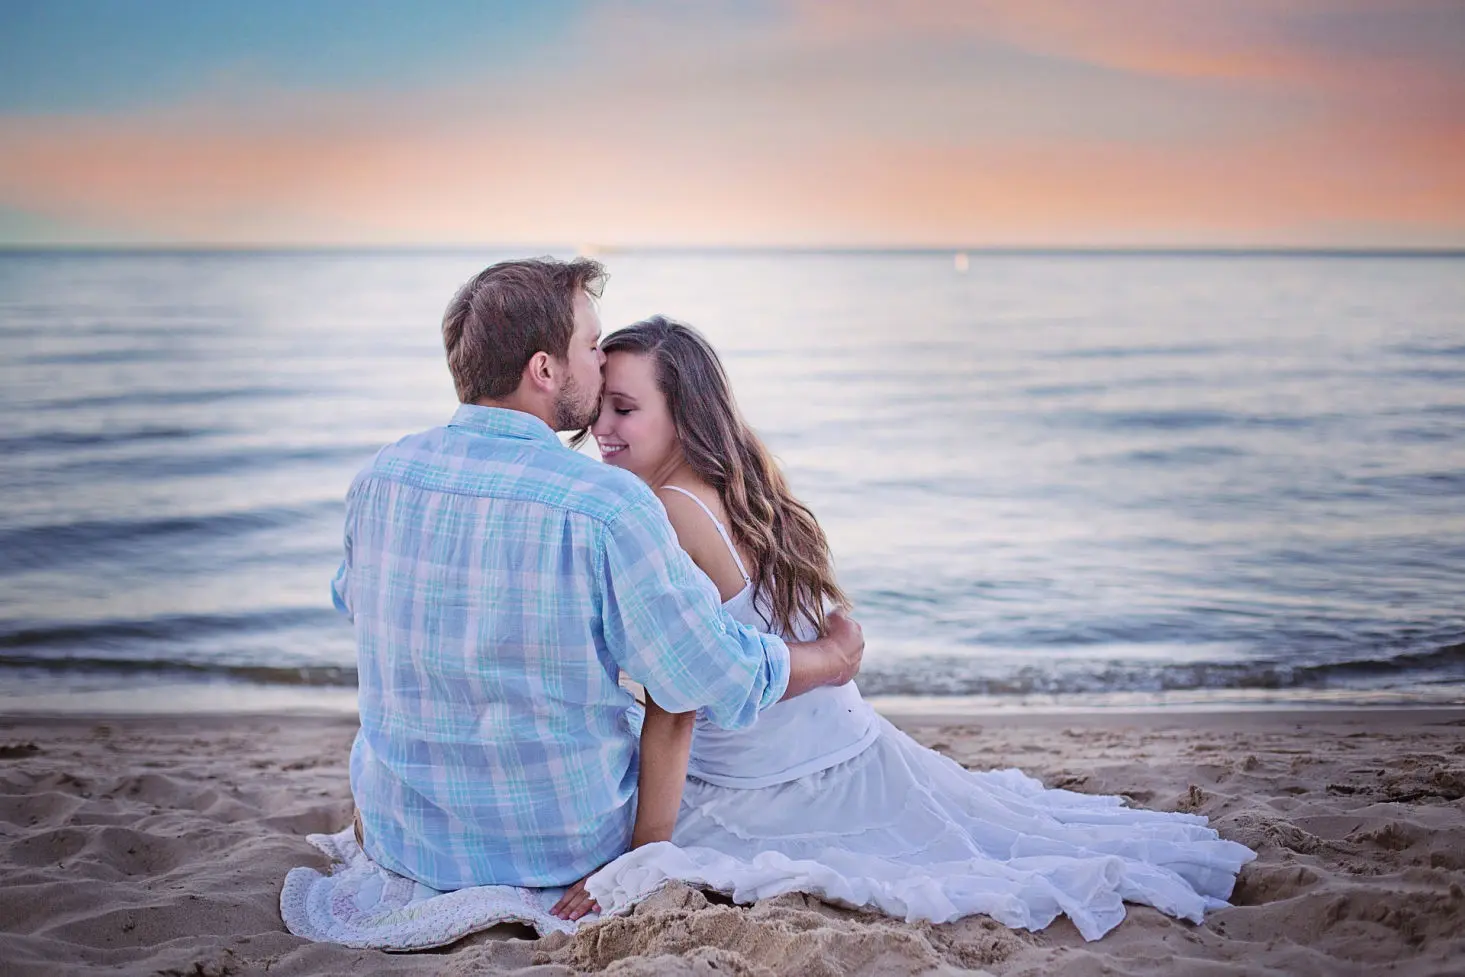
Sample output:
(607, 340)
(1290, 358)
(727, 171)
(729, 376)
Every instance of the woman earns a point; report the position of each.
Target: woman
(821, 794)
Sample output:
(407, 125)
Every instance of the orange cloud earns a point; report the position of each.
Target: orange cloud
(806, 132)
(404, 184)
(1238, 39)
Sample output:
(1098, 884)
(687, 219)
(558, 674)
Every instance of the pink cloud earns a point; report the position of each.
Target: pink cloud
(807, 130)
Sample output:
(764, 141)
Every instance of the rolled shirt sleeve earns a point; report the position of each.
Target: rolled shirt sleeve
(664, 625)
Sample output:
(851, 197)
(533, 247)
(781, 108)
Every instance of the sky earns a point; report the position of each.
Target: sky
(786, 123)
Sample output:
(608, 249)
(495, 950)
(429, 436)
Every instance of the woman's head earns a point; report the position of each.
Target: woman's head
(667, 401)
(665, 397)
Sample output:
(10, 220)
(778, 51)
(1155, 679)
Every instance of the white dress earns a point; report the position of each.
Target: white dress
(822, 795)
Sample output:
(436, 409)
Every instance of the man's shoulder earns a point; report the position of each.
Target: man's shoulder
(598, 490)
(418, 446)
(527, 471)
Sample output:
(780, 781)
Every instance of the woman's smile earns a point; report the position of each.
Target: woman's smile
(609, 448)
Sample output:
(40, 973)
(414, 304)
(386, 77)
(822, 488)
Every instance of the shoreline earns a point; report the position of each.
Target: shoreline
(244, 699)
(1249, 717)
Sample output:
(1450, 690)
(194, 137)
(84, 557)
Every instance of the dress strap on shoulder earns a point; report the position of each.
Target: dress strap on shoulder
(721, 530)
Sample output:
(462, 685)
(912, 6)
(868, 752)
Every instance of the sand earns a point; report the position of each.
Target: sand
(157, 845)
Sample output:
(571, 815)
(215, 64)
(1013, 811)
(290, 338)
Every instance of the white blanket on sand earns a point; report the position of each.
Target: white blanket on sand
(361, 904)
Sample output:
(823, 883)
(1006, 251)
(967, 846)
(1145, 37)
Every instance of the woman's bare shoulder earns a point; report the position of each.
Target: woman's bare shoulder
(698, 535)
(694, 527)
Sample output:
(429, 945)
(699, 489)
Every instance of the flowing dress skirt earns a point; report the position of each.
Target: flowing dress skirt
(905, 830)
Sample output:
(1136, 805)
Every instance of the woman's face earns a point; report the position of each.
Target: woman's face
(635, 429)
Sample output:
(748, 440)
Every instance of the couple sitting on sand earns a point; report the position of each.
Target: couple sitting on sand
(501, 585)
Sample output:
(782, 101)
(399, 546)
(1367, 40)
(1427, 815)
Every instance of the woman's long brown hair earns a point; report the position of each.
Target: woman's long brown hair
(792, 568)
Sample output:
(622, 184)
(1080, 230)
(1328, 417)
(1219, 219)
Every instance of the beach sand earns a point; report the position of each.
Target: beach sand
(157, 845)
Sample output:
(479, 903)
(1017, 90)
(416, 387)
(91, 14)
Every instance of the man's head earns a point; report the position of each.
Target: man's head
(526, 334)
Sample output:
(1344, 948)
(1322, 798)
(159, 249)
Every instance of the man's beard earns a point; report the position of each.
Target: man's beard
(571, 411)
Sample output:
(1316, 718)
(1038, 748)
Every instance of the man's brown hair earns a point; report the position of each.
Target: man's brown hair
(506, 314)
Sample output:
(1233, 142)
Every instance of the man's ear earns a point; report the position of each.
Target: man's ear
(539, 372)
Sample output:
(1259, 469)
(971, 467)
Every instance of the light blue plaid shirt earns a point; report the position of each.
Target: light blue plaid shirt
(498, 583)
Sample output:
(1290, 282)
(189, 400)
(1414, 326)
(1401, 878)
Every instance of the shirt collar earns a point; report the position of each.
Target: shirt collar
(500, 422)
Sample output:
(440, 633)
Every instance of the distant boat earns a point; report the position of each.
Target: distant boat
(960, 262)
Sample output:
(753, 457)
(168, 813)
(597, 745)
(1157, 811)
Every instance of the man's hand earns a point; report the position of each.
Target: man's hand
(831, 660)
(848, 641)
(576, 902)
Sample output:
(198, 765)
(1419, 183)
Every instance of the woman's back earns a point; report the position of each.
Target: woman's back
(793, 738)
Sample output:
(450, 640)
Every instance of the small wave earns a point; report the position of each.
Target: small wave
(1450, 656)
(1064, 389)
(107, 357)
(167, 398)
(1428, 373)
(53, 440)
(1422, 349)
(33, 548)
(1442, 410)
(173, 628)
(1424, 435)
(972, 676)
(202, 463)
(321, 676)
(1133, 352)
(1195, 454)
(913, 678)
(1178, 420)
(1447, 483)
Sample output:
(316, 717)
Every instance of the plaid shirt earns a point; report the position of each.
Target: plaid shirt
(498, 584)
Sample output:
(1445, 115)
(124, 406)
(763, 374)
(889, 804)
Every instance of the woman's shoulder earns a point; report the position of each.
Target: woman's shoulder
(694, 511)
(687, 495)
(695, 518)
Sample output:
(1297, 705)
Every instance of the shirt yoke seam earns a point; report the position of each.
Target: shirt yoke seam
(605, 516)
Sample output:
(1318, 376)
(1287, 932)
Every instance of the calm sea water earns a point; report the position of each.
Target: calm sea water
(1147, 478)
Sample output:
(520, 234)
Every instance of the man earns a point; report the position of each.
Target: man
(499, 583)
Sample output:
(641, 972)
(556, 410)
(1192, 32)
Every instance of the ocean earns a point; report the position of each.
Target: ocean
(1049, 480)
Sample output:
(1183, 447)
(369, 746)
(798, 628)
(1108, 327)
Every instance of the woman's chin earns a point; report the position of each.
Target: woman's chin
(618, 459)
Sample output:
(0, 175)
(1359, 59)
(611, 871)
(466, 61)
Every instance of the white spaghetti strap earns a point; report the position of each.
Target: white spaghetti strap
(721, 530)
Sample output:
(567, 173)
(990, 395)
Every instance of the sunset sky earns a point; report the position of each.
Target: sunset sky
(1319, 123)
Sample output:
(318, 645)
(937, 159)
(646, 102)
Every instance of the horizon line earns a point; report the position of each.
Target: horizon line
(594, 250)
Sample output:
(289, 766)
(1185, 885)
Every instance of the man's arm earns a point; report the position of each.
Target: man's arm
(810, 665)
(832, 660)
(663, 623)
